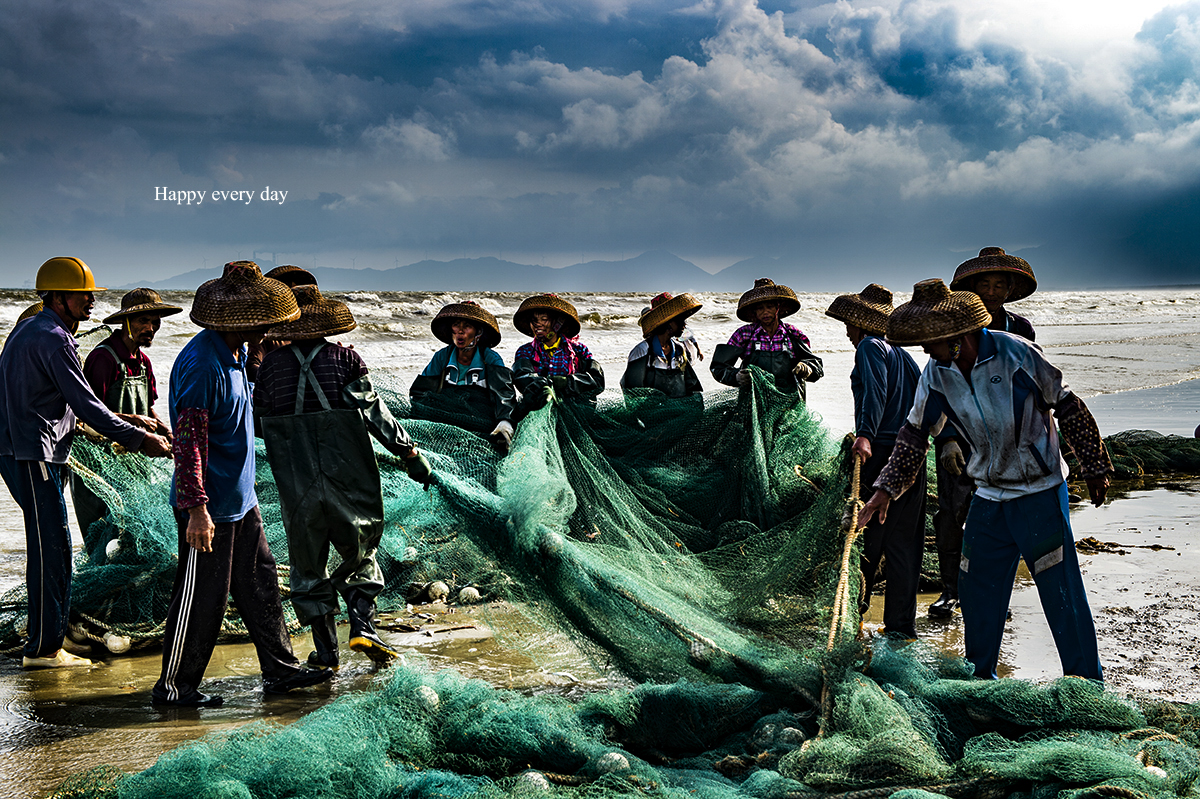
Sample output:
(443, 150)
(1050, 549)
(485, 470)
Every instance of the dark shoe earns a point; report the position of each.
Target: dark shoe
(943, 607)
(304, 678)
(324, 635)
(194, 699)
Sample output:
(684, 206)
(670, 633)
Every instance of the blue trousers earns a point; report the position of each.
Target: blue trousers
(37, 487)
(996, 537)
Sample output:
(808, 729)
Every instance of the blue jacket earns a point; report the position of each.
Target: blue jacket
(42, 389)
(884, 381)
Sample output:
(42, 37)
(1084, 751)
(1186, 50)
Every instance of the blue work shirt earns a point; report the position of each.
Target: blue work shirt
(42, 389)
(884, 381)
(207, 376)
(444, 360)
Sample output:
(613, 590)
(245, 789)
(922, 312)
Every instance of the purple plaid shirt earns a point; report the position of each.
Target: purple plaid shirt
(752, 337)
(563, 360)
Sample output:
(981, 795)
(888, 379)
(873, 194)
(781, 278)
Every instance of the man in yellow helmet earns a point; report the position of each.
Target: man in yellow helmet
(42, 389)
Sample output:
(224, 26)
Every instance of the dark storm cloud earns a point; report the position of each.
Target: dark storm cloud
(716, 127)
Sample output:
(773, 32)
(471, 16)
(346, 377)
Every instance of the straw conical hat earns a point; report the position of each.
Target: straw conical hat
(995, 259)
(32, 310)
(765, 290)
(936, 313)
(523, 318)
(292, 276)
(869, 309)
(319, 317)
(242, 299)
(142, 301)
(469, 311)
(664, 308)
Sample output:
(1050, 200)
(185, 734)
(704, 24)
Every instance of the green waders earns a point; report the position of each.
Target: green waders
(329, 494)
(129, 394)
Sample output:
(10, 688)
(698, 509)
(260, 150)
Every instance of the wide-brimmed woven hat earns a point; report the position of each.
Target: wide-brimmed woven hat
(242, 299)
(994, 259)
(469, 311)
(293, 275)
(523, 318)
(666, 307)
(32, 310)
(936, 313)
(142, 301)
(765, 290)
(868, 309)
(319, 317)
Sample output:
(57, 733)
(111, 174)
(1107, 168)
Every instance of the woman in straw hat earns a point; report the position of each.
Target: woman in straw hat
(290, 276)
(317, 410)
(555, 363)
(468, 373)
(121, 375)
(766, 341)
(997, 278)
(999, 391)
(661, 361)
(884, 381)
(222, 548)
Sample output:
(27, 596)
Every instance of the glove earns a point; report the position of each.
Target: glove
(418, 468)
(952, 459)
(562, 384)
(802, 371)
(502, 436)
(743, 378)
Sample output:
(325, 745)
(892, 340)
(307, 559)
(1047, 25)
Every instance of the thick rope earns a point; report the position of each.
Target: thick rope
(841, 600)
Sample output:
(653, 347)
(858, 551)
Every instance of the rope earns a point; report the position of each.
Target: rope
(842, 594)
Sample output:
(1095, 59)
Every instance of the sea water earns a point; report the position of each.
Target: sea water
(1133, 354)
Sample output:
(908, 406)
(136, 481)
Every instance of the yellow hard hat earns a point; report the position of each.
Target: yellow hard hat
(66, 274)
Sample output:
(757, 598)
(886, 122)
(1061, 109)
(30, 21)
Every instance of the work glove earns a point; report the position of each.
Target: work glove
(418, 468)
(802, 371)
(743, 378)
(502, 436)
(562, 385)
(952, 459)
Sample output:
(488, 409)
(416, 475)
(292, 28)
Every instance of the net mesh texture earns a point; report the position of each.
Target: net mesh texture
(696, 546)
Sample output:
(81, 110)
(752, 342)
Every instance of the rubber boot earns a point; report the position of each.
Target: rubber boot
(324, 635)
(363, 637)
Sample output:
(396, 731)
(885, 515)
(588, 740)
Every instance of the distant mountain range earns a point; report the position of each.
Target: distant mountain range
(650, 272)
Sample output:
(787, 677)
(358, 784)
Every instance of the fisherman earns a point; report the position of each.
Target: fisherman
(315, 406)
(222, 548)
(996, 277)
(884, 380)
(999, 391)
(555, 363)
(291, 276)
(661, 360)
(122, 378)
(468, 373)
(42, 389)
(767, 342)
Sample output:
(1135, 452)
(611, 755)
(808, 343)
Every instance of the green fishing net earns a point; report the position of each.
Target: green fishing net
(697, 547)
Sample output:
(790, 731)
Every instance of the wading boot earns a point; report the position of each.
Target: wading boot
(363, 637)
(943, 607)
(324, 635)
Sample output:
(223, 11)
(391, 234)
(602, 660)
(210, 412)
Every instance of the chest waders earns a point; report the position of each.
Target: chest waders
(130, 393)
(329, 495)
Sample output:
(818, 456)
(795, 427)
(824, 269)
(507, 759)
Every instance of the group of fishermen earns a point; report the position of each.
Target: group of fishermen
(264, 365)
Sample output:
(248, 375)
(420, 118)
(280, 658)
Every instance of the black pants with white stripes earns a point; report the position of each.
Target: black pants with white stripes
(240, 564)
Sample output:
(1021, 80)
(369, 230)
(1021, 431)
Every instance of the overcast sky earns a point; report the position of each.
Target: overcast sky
(874, 139)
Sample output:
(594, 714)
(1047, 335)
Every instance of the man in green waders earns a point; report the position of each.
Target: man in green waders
(315, 407)
(122, 378)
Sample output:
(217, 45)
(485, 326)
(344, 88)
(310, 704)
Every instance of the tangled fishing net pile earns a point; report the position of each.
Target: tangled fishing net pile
(697, 547)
